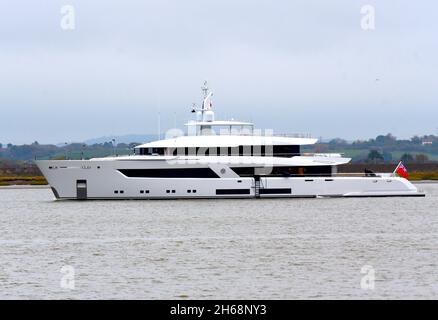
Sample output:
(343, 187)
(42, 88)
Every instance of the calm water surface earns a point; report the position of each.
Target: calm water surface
(222, 249)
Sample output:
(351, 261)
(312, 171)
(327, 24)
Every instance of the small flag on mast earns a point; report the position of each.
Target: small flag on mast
(401, 170)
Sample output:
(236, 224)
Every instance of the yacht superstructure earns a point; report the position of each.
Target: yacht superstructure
(217, 159)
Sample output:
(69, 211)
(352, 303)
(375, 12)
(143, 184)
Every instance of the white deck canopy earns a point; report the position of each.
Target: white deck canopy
(219, 123)
(226, 141)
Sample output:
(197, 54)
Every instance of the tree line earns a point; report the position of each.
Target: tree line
(383, 148)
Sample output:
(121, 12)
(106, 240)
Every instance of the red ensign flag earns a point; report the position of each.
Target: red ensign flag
(402, 171)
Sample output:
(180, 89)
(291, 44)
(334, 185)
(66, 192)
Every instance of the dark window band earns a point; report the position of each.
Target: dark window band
(316, 171)
(170, 173)
(242, 150)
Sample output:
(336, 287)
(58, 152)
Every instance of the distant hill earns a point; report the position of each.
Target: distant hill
(128, 138)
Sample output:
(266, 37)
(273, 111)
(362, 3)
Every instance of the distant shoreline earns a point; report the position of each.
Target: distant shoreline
(17, 180)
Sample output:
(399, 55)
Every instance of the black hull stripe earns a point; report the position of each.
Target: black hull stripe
(232, 191)
(276, 191)
(387, 196)
(237, 196)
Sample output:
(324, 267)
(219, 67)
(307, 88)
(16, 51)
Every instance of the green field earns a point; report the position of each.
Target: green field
(363, 153)
(417, 176)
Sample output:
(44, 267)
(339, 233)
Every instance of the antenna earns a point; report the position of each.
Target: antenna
(159, 126)
(207, 94)
(204, 89)
(113, 142)
(205, 112)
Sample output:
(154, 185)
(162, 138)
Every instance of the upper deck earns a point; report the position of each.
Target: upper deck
(231, 141)
(206, 132)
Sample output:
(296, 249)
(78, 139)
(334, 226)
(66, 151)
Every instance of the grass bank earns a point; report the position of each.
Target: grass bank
(22, 180)
(417, 176)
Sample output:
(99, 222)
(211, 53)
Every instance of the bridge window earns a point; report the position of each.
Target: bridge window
(242, 150)
(149, 151)
(321, 171)
(286, 151)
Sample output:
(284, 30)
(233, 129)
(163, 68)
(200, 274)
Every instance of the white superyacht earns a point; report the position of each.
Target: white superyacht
(217, 159)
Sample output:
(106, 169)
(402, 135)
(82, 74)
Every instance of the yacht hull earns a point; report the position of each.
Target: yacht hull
(87, 180)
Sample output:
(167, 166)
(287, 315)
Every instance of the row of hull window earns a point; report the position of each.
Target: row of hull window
(147, 191)
(188, 191)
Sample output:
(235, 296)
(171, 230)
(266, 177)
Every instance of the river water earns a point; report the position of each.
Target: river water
(218, 249)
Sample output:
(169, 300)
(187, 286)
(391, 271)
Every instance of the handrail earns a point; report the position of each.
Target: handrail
(250, 134)
(266, 154)
(293, 135)
(328, 175)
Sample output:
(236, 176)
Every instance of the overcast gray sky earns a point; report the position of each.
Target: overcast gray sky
(294, 66)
